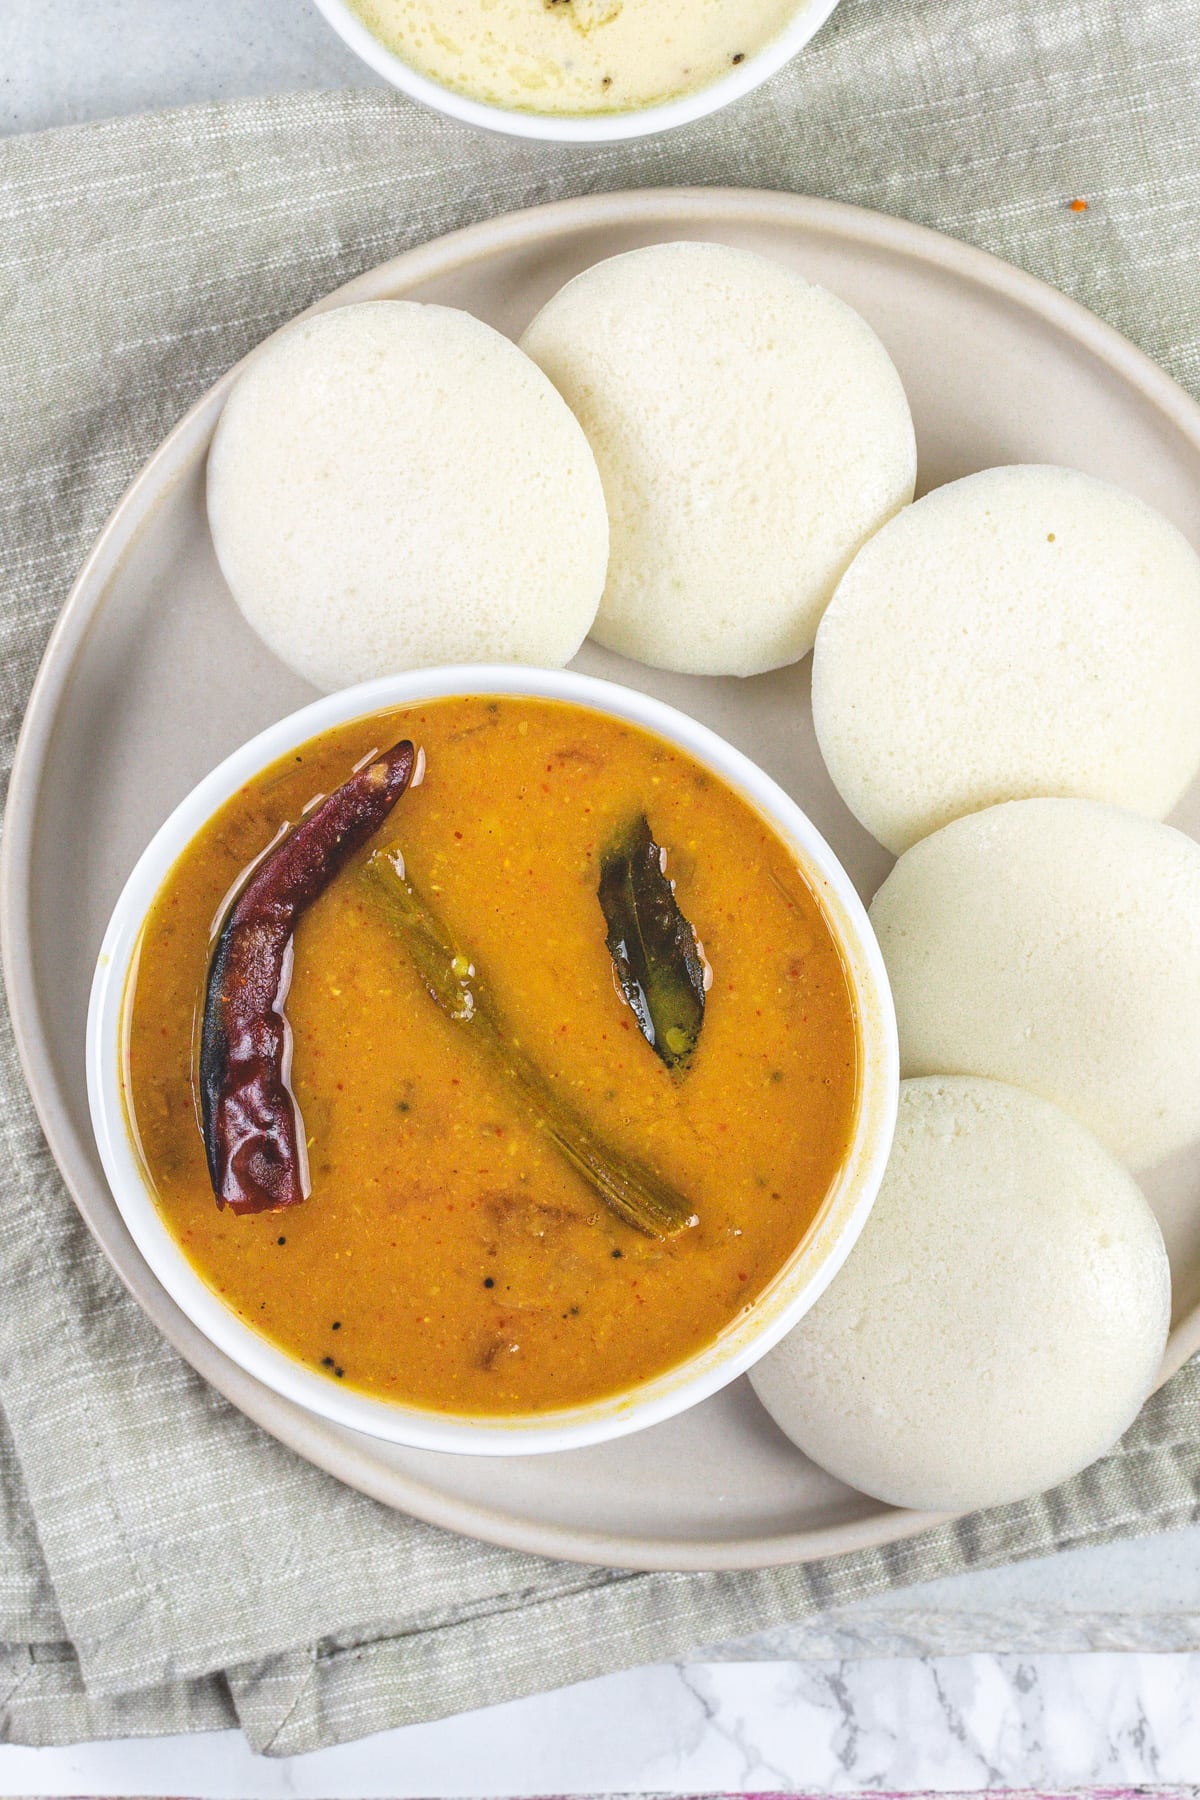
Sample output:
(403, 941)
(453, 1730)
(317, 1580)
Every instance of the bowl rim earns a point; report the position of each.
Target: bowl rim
(794, 1288)
(580, 128)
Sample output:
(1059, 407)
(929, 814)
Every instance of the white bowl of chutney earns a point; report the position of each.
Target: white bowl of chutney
(599, 95)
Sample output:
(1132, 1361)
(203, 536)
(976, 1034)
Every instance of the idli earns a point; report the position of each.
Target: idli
(1055, 944)
(751, 433)
(1025, 631)
(395, 485)
(999, 1322)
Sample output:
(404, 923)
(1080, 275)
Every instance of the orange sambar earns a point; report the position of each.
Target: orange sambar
(448, 1256)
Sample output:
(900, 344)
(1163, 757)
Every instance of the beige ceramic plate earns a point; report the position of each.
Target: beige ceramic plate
(151, 677)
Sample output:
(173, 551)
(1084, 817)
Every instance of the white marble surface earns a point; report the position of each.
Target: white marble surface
(949, 1723)
(66, 60)
(1033, 1675)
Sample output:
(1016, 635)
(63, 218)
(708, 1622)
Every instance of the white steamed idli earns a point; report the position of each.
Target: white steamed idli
(1055, 944)
(1025, 631)
(751, 433)
(999, 1322)
(394, 485)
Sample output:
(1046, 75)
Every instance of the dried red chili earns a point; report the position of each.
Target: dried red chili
(253, 1136)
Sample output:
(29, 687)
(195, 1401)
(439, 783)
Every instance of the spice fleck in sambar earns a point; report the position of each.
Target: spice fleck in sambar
(453, 1251)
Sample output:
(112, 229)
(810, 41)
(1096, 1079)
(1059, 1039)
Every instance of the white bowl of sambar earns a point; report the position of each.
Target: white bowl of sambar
(491, 1060)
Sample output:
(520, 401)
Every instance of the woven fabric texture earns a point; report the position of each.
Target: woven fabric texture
(164, 1566)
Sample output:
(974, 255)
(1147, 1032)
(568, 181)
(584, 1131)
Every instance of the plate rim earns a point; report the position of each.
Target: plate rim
(310, 1437)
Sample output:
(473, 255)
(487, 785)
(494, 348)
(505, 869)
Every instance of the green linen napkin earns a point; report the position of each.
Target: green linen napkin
(164, 1566)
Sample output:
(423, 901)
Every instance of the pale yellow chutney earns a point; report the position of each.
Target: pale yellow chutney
(575, 56)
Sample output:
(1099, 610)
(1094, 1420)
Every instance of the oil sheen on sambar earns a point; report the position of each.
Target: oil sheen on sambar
(447, 1257)
(575, 56)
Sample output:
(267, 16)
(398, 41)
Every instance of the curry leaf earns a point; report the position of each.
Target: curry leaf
(654, 948)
